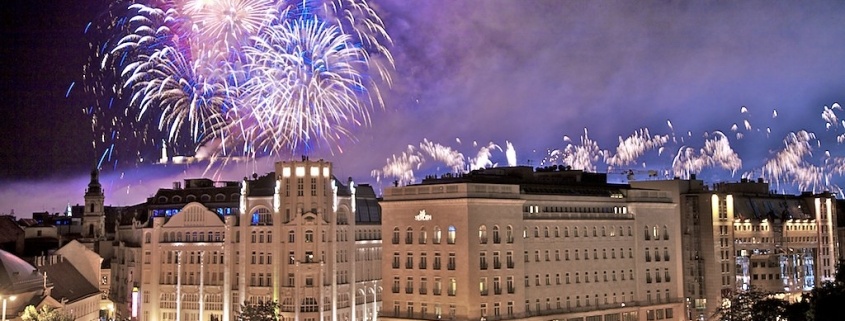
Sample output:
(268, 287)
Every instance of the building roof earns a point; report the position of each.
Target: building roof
(367, 208)
(68, 283)
(555, 180)
(16, 275)
(10, 231)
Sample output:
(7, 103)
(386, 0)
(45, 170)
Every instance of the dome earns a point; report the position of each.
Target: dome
(17, 276)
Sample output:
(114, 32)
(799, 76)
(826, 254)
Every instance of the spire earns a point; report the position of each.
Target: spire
(94, 187)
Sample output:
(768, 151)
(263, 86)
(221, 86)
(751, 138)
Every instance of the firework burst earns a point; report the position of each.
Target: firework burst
(255, 77)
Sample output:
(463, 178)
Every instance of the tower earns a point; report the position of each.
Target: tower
(93, 219)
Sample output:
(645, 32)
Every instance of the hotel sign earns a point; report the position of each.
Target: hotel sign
(422, 216)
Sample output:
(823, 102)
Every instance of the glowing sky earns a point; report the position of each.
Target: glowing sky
(525, 72)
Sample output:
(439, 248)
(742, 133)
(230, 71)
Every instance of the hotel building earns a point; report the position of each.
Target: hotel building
(741, 236)
(519, 244)
(297, 236)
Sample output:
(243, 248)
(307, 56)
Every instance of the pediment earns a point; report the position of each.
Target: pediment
(195, 214)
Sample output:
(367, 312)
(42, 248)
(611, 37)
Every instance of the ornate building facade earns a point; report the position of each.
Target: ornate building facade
(297, 236)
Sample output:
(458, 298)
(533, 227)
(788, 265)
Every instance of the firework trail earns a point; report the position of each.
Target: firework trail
(247, 77)
(583, 157)
(448, 156)
(634, 146)
(482, 158)
(401, 167)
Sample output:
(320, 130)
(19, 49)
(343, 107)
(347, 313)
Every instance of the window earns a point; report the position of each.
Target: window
(509, 232)
(395, 235)
(510, 259)
(395, 260)
(436, 264)
(450, 238)
(437, 235)
(482, 235)
(423, 236)
(496, 239)
(453, 287)
(409, 236)
(423, 261)
(452, 260)
(309, 236)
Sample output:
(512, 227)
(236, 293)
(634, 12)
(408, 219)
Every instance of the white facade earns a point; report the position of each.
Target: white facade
(292, 237)
(544, 246)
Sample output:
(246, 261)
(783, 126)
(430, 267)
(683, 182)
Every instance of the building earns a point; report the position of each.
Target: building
(740, 237)
(74, 271)
(519, 244)
(21, 285)
(297, 236)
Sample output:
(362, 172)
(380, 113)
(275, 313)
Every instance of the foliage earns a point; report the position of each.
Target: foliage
(823, 303)
(752, 305)
(44, 314)
(261, 311)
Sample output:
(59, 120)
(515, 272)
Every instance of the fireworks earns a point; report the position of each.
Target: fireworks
(793, 165)
(236, 77)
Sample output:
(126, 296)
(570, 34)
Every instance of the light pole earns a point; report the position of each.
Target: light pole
(8, 298)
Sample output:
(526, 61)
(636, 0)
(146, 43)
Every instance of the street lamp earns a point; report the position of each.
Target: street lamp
(7, 298)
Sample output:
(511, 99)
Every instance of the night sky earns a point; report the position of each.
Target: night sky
(537, 74)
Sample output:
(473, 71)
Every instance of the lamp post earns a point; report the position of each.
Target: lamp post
(6, 298)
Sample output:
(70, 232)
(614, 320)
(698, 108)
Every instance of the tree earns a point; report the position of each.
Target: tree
(44, 314)
(261, 311)
(768, 309)
(823, 303)
(751, 305)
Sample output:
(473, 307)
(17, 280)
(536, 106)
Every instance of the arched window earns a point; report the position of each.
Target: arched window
(309, 236)
(576, 231)
(147, 238)
(482, 234)
(509, 232)
(496, 238)
(665, 232)
(545, 231)
(525, 232)
(437, 235)
(451, 237)
(409, 235)
(261, 216)
(291, 237)
(557, 231)
(647, 234)
(395, 239)
(423, 235)
(190, 198)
